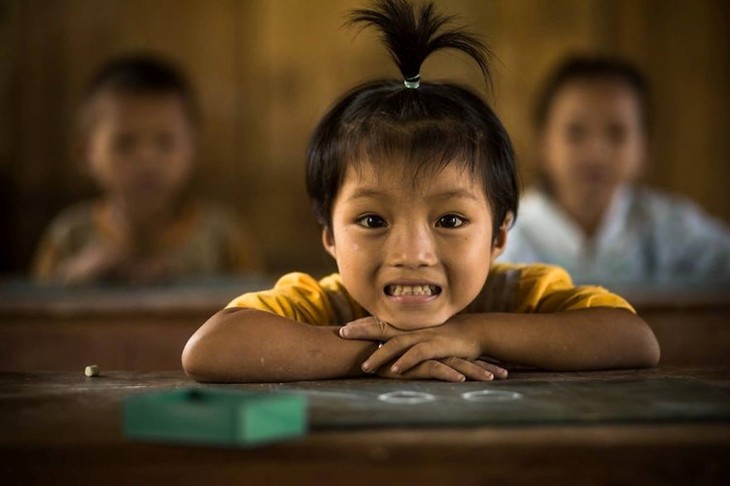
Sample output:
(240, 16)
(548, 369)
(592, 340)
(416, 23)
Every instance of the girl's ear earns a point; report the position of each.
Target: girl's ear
(328, 241)
(500, 239)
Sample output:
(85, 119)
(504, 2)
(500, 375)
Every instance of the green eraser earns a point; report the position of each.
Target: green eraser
(214, 416)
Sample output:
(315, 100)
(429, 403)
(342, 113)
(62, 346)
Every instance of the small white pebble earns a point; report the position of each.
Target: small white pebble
(92, 370)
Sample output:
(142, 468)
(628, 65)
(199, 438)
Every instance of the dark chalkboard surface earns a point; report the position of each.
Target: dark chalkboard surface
(372, 403)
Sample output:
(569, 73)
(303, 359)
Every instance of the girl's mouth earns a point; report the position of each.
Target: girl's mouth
(397, 290)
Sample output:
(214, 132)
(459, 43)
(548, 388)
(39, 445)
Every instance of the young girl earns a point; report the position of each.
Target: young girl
(139, 122)
(414, 184)
(587, 213)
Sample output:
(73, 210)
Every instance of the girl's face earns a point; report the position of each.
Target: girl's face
(593, 140)
(141, 149)
(412, 254)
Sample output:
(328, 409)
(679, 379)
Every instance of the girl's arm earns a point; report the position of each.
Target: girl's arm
(248, 345)
(94, 263)
(586, 339)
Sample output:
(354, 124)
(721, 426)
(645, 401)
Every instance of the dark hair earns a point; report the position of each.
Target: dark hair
(432, 125)
(592, 68)
(143, 74)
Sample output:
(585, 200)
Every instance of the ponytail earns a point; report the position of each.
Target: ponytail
(410, 41)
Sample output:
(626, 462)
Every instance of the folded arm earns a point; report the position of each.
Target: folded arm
(585, 339)
(247, 345)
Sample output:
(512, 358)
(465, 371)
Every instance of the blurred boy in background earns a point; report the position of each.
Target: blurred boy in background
(588, 214)
(139, 120)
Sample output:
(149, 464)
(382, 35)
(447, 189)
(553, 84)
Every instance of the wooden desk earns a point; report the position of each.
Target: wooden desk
(145, 329)
(124, 328)
(692, 325)
(64, 428)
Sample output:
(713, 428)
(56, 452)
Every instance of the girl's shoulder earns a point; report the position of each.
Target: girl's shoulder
(508, 283)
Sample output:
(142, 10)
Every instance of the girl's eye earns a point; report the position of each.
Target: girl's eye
(124, 144)
(372, 221)
(450, 221)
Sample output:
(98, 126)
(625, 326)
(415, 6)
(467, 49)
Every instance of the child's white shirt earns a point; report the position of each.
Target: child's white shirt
(646, 237)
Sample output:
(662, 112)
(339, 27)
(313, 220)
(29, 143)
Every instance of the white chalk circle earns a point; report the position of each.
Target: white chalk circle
(491, 396)
(406, 397)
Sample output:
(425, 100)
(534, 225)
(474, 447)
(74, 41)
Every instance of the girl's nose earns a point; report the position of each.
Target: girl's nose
(147, 153)
(599, 147)
(411, 247)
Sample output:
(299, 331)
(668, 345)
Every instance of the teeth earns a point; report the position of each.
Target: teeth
(398, 290)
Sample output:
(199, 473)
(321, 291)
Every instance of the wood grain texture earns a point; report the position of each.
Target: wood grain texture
(65, 428)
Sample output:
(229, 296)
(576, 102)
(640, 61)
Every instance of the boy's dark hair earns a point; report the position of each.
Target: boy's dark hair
(592, 68)
(143, 74)
(429, 126)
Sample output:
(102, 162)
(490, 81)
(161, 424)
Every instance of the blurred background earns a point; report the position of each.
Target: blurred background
(267, 70)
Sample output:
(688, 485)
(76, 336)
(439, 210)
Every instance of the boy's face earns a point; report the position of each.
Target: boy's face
(593, 139)
(141, 148)
(412, 254)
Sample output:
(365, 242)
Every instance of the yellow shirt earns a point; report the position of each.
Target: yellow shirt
(509, 287)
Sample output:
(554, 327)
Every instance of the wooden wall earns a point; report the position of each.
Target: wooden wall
(266, 70)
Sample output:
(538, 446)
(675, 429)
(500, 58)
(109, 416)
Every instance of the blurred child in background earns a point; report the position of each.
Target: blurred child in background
(587, 213)
(139, 121)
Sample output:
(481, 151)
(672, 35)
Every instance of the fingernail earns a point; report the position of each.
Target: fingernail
(395, 369)
(366, 367)
(462, 378)
(488, 375)
(343, 332)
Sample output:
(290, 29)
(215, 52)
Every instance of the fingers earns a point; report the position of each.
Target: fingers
(498, 372)
(421, 361)
(369, 328)
(447, 369)
(414, 353)
(435, 354)
(389, 352)
(409, 349)
(427, 370)
(470, 369)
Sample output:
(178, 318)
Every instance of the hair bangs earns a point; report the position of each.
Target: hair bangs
(421, 149)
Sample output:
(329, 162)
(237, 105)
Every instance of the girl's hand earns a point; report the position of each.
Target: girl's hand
(96, 261)
(445, 369)
(445, 352)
